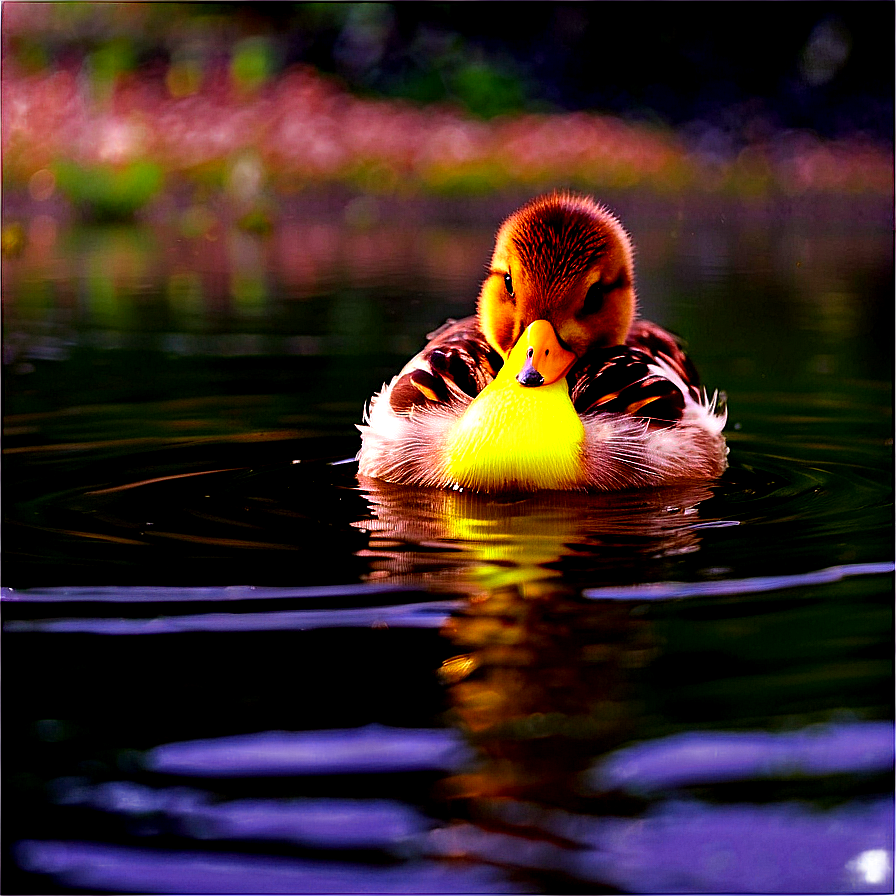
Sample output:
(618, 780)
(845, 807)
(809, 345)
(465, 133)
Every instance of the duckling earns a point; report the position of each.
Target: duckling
(554, 383)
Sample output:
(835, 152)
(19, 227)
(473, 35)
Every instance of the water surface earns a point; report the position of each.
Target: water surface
(230, 665)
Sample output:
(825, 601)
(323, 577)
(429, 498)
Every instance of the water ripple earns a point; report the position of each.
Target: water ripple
(431, 614)
(371, 749)
(699, 757)
(100, 866)
(669, 590)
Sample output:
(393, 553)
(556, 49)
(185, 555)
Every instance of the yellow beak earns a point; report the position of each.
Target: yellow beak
(539, 357)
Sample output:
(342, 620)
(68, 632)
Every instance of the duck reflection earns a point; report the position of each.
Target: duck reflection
(542, 688)
(474, 544)
(541, 681)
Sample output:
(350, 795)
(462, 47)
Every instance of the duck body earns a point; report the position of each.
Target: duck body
(511, 435)
(553, 384)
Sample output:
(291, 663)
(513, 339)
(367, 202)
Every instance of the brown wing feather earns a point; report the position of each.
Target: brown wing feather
(456, 361)
(664, 346)
(619, 380)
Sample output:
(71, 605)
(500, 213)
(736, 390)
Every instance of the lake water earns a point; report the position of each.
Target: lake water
(228, 666)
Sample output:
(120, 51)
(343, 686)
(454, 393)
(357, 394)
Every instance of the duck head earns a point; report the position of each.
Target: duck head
(561, 280)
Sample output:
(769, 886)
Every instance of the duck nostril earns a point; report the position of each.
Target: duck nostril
(530, 377)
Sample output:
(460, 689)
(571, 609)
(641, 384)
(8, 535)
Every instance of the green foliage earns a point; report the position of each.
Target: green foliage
(484, 85)
(105, 65)
(109, 192)
(487, 89)
(253, 63)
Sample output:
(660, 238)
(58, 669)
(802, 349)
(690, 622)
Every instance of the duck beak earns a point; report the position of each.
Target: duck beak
(538, 355)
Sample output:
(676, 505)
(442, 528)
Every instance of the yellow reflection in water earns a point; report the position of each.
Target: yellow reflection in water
(481, 543)
(541, 681)
(542, 688)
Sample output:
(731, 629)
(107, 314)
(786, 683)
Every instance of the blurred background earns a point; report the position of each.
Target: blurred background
(115, 107)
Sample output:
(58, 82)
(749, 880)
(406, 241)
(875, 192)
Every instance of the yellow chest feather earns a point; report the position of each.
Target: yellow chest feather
(513, 435)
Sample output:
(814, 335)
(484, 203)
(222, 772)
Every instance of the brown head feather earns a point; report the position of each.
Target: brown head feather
(547, 257)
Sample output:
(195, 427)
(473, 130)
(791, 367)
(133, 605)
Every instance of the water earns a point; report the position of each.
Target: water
(229, 666)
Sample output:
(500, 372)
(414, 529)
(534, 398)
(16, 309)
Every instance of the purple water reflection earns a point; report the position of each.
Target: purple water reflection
(693, 847)
(373, 748)
(674, 846)
(706, 757)
(316, 823)
(678, 847)
(169, 594)
(94, 866)
(668, 590)
(430, 614)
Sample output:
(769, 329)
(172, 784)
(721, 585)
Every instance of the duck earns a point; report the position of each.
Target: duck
(555, 383)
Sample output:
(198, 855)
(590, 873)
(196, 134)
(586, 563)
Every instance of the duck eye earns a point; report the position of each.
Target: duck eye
(508, 284)
(594, 299)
